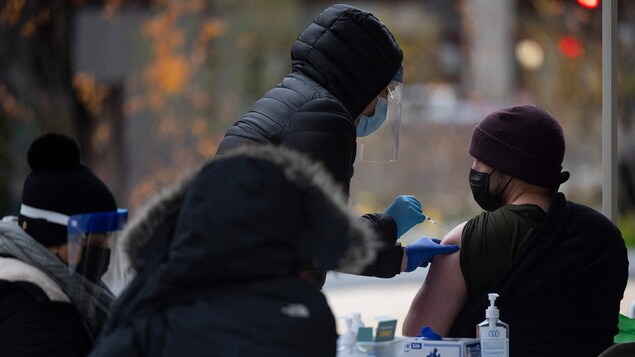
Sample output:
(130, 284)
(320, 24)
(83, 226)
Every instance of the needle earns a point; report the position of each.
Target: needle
(433, 221)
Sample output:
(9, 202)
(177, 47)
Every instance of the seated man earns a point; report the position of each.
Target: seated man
(560, 267)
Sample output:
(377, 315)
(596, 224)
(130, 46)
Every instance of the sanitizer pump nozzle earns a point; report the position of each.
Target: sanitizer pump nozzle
(491, 313)
(493, 333)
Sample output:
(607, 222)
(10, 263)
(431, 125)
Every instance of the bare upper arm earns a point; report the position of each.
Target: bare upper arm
(454, 236)
(442, 294)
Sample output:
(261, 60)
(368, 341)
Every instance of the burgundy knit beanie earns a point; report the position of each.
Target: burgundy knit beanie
(524, 141)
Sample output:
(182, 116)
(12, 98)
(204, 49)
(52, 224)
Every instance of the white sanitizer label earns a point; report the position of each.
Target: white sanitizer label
(494, 342)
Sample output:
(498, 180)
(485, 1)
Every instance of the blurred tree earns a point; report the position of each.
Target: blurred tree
(82, 67)
(40, 92)
(219, 61)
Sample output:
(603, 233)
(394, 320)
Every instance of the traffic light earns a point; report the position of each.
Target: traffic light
(589, 4)
(570, 46)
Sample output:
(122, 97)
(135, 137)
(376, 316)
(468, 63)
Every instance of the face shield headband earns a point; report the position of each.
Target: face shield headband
(90, 237)
(384, 125)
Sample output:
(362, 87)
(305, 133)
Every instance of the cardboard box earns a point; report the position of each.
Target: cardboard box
(447, 347)
(379, 349)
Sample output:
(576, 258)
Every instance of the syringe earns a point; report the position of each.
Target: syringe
(426, 218)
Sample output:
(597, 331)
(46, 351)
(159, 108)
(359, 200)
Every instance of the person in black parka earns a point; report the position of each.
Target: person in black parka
(219, 257)
(342, 62)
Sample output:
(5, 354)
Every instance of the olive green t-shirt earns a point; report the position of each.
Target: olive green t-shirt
(491, 241)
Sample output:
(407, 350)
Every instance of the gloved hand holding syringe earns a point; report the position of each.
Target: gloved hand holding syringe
(407, 212)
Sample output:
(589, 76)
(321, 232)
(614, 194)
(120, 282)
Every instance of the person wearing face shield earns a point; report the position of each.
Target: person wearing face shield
(556, 264)
(54, 253)
(345, 82)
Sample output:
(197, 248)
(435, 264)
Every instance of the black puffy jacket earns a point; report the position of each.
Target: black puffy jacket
(218, 259)
(341, 62)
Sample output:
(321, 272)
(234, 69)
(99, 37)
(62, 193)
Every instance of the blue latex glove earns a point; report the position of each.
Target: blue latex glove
(428, 334)
(406, 211)
(421, 252)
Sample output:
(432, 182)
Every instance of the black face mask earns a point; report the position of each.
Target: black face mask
(479, 183)
(94, 263)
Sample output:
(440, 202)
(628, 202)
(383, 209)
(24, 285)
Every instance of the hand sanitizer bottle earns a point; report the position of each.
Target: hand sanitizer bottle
(494, 333)
(346, 342)
(356, 322)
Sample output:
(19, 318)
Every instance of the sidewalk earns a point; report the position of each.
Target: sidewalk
(374, 297)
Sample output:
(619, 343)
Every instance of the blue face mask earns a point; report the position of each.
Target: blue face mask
(368, 124)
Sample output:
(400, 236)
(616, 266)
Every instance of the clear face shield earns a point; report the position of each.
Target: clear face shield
(91, 237)
(378, 134)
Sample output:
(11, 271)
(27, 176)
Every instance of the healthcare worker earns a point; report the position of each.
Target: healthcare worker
(54, 253)
(345, 82)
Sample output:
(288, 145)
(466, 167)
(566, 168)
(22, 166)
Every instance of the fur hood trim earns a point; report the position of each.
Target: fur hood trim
(297, 168)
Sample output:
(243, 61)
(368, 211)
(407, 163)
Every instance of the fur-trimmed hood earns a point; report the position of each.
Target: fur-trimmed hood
(257, 211)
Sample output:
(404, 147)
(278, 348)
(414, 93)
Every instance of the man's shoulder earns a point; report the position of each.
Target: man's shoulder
(587, 215)
(579, 208)
(587, 219)
(503, 211)
(505, 220)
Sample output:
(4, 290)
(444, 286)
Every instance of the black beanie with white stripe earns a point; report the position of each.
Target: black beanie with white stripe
(59, 183)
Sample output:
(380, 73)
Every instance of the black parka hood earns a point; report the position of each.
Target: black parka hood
(350, 53)
(218, 258)
(256, 212)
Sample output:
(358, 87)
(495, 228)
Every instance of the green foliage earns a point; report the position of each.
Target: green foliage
(627, 330)
(626, 225)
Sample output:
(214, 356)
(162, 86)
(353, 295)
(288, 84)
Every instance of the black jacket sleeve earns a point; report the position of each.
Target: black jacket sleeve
(387, 264)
